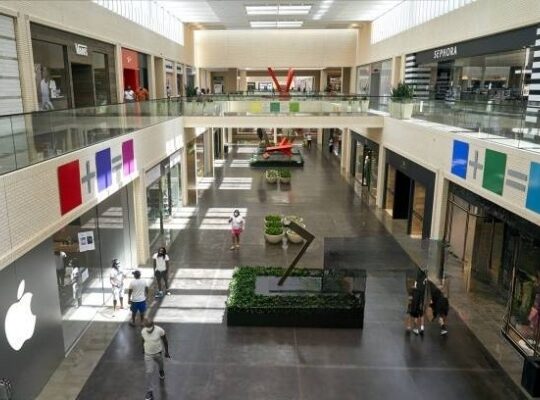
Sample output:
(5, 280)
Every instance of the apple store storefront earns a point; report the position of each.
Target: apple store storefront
(52, 293)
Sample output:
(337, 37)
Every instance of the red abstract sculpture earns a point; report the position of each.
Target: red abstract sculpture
(285, 147)
(283, 91)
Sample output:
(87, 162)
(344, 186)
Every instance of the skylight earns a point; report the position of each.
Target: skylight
(278, 10)
(276, 24)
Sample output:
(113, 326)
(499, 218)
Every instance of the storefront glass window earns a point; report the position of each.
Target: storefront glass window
(83, 252)
(101, 78)
(523, 323)
(164, 201)
(502, 77)
(50, 72)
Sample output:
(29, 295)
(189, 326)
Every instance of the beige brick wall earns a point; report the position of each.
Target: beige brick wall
(481, 18)
(29, 198)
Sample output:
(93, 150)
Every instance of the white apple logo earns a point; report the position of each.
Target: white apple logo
(20, 322)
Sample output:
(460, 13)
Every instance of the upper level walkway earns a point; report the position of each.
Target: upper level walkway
(26, 139)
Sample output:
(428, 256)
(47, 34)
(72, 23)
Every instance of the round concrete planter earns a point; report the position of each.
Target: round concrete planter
(273, 239)
(293, 237)
(285, 180)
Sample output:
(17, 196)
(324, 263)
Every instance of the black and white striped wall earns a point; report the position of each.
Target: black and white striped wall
(533, 105)
(417, 77)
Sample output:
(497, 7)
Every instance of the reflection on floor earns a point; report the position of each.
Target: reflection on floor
(211, 361)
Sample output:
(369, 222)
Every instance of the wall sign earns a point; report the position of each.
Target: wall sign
(446, 52)
(81, 49)
(86, 241)
(179, 69)
(169, 66)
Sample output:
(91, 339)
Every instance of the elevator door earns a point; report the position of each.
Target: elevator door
(83, 85)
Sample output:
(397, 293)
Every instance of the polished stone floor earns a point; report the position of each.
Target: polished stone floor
(211, 361)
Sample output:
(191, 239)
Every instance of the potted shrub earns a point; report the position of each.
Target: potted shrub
(271, 175)
(273, 234)
(401, 104)
(284, 175)
(272, 218)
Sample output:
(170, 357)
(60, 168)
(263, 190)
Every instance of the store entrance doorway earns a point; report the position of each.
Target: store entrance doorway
(83, 85)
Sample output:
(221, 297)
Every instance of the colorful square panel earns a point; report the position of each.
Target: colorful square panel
(128, 157)
(533, 192)
(255, 107)
(103, 169)
(275, 106)
(494, 170)
(294, 106)
(69, 186)
(460, 157)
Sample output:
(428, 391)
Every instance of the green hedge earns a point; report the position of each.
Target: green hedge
(242, 295)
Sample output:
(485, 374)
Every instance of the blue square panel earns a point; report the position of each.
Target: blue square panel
(460, 157)
(103, 169)
(533, 192)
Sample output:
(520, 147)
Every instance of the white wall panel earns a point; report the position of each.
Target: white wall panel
(275, 48)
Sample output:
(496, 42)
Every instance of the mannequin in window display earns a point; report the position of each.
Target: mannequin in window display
(45, 90)
(76, 282)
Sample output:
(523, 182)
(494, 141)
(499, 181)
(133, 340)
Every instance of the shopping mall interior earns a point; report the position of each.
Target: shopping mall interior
(347, 194)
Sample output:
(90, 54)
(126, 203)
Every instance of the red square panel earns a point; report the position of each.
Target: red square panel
(69, 186)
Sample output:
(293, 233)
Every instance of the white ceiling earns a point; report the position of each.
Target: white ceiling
(231, 14)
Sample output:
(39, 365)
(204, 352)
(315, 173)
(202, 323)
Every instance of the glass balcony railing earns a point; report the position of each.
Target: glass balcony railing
(26, 139)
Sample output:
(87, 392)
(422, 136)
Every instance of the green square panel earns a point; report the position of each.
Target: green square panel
(274, 107)
(494, 169)
(294, 107)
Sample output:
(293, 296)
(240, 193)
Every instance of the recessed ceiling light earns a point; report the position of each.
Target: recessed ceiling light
(317, 16)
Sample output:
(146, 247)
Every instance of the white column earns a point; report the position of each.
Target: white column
(380, 177)
(141, 220)
(274, 130)
(320, 143)
(25, 56)
(119, 72)
(151, 76)
(440, 203)
(208, 140)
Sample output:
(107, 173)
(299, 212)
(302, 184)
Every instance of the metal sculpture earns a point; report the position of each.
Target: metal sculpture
(283, 91)
(308, 237)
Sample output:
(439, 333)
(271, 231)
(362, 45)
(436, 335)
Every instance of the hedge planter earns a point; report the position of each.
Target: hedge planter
(247, 305)
(285, 180)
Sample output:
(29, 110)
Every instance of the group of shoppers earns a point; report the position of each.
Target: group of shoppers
(154, 339)
(422, 291)
(131, 96)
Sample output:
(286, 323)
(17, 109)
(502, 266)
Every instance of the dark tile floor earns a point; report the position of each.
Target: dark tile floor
(211, 361)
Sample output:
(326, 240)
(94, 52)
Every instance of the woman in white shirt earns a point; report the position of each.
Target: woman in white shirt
(161, 270)
(237, 226)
